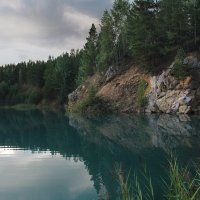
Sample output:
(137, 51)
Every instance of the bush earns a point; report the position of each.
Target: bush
(91, 104)
(140, 95)
(88, 101)
(180, 70)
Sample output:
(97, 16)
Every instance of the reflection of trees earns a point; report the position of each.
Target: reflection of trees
(22, 129)
(101, 143)
(136, 142)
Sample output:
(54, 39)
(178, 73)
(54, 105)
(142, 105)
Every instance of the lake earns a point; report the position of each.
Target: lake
(49, 156)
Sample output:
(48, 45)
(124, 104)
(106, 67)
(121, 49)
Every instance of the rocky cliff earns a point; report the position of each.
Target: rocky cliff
(170, 95)
(163, 93)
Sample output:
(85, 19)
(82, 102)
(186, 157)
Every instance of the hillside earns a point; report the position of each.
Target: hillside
(136, 90)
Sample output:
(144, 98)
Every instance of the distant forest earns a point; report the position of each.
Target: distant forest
(146, 30)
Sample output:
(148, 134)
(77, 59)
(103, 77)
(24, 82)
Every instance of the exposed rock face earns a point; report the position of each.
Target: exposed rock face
(170, 95)
(165, 93)
(120, 93)
(110, 73)
(82, 90)
(75, 94)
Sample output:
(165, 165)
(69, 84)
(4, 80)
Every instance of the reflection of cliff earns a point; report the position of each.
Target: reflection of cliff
(143, 131)
(171, 131)
(136, 141)
(101, 143)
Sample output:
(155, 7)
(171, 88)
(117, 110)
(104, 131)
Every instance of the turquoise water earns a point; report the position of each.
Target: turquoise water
(49, 156)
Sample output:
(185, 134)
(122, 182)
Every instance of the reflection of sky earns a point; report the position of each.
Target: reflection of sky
(41, 176)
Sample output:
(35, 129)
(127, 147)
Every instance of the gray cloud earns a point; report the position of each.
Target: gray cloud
(36, 28)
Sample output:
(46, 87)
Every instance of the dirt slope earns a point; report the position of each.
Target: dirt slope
(120, 92)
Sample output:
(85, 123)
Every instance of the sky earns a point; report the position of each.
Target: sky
(35, 29)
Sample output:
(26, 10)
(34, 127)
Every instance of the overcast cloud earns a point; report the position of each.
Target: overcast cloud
(35, 29)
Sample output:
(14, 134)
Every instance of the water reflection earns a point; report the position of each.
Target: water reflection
(86, 150)
(137, 132)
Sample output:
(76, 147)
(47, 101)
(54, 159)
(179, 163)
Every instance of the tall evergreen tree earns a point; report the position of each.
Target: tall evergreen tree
(142, 31)
(52, 81)
(173, 16)
(88, 60)
(105, 42)
(194, 20)
(119, 18)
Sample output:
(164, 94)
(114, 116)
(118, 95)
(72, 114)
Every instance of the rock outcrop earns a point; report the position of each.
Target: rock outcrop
(82, 90)
(170, 95)
(165, 93)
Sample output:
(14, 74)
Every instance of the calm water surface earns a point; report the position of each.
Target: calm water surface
(48, 156)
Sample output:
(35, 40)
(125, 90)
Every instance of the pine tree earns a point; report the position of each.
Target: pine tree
(52, 81)
(105, 42)
(194, 20)
(119, 18)
(142, 32)
(88, 60)
(174, 22)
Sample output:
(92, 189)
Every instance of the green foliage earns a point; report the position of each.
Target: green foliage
(133, 191)
(88, 101)
(52, 81)
(182, 185)
(105, 53)
(60, 76)
(4, 88)
(143, 30)
(32, 81)
(140, 95)
(35, 73)
(91, 104)
(180, 70)
(34, 96)
(14, 96)
(112, 41)
(119, 19)
(89, 53)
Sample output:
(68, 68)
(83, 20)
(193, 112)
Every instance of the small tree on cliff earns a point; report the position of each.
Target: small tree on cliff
(180, 70)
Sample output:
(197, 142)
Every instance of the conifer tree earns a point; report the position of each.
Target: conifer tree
(105, 42)
(119, 15)
(142, 32)
(88, 60)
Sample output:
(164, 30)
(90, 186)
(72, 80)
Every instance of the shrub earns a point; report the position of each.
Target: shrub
(180, 70)
(91, 103)
(140, 95)
(88, 101)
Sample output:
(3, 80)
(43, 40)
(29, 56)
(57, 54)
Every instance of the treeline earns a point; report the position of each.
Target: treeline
(38, 81)
(145, 30)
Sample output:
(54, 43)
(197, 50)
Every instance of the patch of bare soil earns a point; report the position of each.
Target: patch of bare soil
(120, 93)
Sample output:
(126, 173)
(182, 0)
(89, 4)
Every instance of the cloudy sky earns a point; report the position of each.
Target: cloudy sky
(35, 29)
